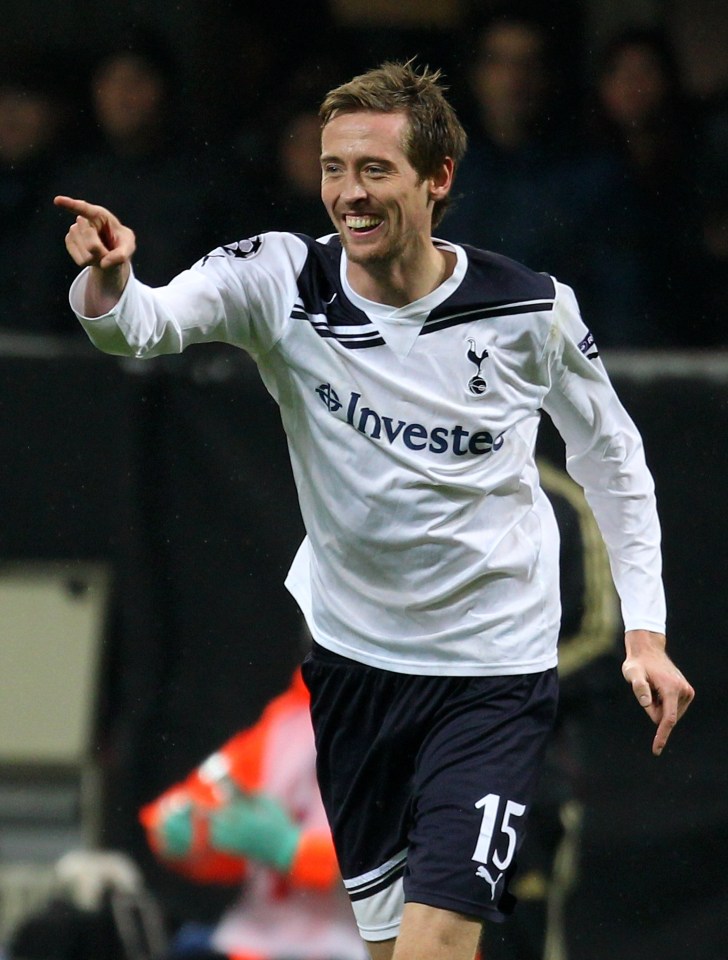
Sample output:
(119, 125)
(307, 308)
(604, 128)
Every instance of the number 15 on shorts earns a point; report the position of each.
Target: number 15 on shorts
(495, 824)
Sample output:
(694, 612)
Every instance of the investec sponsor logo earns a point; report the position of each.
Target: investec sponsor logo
(416, 436)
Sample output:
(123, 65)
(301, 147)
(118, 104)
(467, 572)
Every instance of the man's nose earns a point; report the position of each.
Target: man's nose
(353, 189)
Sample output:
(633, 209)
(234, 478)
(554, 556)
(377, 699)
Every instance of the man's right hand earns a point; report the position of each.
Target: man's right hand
(99, 240)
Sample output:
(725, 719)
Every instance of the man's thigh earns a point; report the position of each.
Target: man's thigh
(432, 933)
(426, 782)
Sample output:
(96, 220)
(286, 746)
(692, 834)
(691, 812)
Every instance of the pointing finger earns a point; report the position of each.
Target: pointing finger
(90, 211)
(666, 724)
(69, 203)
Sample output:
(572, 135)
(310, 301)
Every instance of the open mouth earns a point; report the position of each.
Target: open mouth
(362, 224)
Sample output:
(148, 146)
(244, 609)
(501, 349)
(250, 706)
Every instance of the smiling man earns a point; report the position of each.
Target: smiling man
(411, 374)
(383, 206)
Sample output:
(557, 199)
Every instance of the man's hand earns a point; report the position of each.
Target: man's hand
(656, 682)
(99, 240)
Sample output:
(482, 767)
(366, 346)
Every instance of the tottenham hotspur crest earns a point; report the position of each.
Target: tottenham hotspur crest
(476, 384)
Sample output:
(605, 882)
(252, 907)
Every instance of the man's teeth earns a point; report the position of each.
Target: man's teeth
(362, 223)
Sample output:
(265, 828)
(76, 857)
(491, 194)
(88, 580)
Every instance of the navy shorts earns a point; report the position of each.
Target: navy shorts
(427, 783)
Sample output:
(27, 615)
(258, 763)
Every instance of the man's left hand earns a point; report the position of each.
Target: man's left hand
(660, 688)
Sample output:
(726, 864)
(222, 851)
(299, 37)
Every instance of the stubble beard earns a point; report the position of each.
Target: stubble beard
(380, 257)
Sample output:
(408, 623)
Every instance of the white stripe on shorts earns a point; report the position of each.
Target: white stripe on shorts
(377, 899)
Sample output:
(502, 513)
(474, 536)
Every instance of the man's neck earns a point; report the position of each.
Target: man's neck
(400, 282)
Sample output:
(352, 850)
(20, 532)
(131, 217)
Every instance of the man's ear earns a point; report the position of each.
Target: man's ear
(441, 181)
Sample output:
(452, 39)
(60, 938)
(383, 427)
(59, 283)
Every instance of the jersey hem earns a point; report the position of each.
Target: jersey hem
(442, 668)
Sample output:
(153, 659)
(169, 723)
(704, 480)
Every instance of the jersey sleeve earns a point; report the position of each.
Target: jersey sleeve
(605, 455)
(240, 293)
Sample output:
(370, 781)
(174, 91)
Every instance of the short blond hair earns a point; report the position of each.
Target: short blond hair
(434, 130)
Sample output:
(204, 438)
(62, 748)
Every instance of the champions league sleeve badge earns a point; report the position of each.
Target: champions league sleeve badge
(588, 347)
(242, 250)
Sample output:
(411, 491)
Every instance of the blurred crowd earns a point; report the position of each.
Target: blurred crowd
(612, 178)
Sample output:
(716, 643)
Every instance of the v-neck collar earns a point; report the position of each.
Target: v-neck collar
(400, 326)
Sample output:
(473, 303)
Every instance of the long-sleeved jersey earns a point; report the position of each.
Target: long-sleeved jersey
(430, 547)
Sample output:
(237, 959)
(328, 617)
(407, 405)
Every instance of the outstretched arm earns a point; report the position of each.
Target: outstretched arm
(656, 682)
(99, 240)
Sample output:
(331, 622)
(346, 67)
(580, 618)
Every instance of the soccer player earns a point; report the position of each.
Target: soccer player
(411, 374)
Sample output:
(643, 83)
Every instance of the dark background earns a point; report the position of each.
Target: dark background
(234, 58)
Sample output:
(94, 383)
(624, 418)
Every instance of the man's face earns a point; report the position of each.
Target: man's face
(374, 196)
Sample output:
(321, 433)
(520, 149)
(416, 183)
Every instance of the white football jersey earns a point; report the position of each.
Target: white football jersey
(430, 547)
